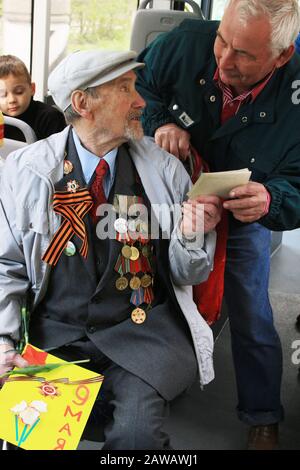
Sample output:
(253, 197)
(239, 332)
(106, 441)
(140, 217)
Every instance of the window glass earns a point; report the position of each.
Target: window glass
(218, 7)
(87, 24)
(15, 28)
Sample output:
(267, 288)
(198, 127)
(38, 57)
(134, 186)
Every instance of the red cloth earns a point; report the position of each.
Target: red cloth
(97, 190)
(34, 357)
(208, 295)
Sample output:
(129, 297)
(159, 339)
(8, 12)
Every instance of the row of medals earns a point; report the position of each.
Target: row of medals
(134, 254)
(128, 252)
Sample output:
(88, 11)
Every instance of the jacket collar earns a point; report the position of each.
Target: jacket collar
(50, 163)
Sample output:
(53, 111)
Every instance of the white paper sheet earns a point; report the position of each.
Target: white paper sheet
(219, 183)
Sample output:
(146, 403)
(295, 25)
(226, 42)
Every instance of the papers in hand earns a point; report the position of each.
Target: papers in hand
(219, 183)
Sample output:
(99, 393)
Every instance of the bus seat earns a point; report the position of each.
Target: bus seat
(9, 145)
(28, 132)
(149, 23)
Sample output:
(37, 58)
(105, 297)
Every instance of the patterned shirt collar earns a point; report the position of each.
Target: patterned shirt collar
(243, 97)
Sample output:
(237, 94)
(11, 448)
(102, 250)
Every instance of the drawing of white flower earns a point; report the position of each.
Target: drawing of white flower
(20, 407)
(41, 406)
(29, 415)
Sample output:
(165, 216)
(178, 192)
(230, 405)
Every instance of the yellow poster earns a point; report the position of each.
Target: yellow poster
(47, 410)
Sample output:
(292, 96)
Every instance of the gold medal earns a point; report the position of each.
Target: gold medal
(68, 167)
(122, 283)
(146, 280)
(135, 254)
(138, 315)
(135, 283)
(127, 251)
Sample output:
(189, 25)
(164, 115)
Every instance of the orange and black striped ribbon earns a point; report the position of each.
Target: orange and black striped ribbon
(72, 207)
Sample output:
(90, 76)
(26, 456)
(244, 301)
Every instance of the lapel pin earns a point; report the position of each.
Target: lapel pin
(68, 167)
(70, 249)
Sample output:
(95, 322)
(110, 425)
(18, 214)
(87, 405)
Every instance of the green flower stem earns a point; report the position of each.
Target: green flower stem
(32, 370)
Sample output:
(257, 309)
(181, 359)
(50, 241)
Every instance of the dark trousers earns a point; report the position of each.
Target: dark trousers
(133, 413)
(256, 346)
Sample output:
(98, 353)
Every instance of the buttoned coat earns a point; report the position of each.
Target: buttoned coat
(28, 222)
(177, 84)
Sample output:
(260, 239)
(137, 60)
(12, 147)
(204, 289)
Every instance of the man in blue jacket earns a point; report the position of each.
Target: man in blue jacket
(230, 90)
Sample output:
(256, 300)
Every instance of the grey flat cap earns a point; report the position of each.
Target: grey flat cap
(84, 69)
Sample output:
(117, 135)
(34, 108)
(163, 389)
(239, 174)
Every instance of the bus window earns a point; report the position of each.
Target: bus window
(15, 28)
(218, 7)
(85, 24)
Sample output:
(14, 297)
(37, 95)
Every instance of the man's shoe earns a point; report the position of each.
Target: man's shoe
(263, 437)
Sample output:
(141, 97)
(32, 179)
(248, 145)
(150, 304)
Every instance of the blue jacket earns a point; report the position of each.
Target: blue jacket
(264, 136)
(297, 44)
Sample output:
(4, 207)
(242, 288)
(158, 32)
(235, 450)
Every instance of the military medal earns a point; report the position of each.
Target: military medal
(72, 186)
(135, 254)
(146, 280)
(135, 283)
(126, 251)
(146, 251)
(70, 249)
(68, 167)
(138, 315)
(120, 225)
(122, 283)
(137, 297)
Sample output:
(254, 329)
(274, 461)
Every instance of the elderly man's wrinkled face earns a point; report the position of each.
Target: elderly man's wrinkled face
(242, 51)
(120, 108)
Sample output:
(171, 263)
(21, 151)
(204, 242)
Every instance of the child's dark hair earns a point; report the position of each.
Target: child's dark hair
(10, 64)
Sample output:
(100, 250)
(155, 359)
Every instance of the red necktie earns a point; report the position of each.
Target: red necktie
(97, 190)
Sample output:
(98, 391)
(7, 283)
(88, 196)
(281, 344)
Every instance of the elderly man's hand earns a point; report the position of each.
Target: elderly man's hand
(202, 213)
(9, 358)
(174, 140)
(249, 203)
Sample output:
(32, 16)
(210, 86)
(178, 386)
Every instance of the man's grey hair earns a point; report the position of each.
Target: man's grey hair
(284, 16)
(71, 115)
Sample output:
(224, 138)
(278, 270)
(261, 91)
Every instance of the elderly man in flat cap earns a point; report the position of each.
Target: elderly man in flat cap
(120, 296)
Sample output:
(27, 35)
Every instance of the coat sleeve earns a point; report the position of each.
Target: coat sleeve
(190, 261)
(14, 281)
(284, 186)
(155, 81)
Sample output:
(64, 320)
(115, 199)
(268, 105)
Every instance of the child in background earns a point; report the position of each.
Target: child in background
(16, 100)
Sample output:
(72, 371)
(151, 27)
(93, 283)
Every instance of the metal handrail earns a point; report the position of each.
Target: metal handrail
(28, 132)
(194, 5)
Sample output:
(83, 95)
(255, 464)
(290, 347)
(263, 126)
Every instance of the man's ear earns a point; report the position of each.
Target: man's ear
(33, 89)
(80, 103)
(285, 56)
